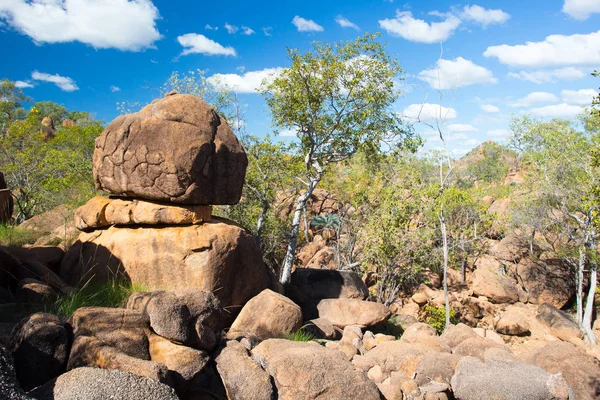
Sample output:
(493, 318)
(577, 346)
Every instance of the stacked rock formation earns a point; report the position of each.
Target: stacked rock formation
(6, 201)
(164, 167)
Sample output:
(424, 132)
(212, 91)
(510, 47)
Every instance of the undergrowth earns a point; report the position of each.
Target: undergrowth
(300, 336)
(436, 318)
(11, 235)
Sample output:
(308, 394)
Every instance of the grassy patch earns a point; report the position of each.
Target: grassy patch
(436, 318)
(11, 235)
(300, 336)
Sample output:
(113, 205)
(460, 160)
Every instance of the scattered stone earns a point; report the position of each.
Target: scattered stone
(436, 367)
(513, 323)
(321, 328)
(369, 341)
(420, 298)
(344, 312)
(456, 334)
(560, 323)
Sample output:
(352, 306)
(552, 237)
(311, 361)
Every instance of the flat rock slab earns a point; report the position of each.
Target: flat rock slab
(344, 312)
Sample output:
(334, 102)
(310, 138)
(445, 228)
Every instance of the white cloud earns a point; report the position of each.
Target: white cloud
(457, 73)
(231, 29)
(247, 30)
(549, 75)
(581, 9)
(461, 128)
(115, 89)
(246, 83)
(498, 133)
(306, 25)
(23, 85)
(345, 23)
(289, 132)
(267, 30)
(65, 84)
(557, 111)
(483, 16)
(469, 142)
(417, 30)
(489, 108)
(211, 28)
(581, 97)
(534, 98)
(196, 43)
(120, 24)
(555, 50)
(429, 112)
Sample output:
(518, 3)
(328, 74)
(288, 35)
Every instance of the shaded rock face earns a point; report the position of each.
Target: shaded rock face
(100, 384)
(176, 149)
(497, 288)
(40, 346)
(546, 282)
(310, 285)
(560, 323)
(9, 387)
(217, 256)
(6, 201)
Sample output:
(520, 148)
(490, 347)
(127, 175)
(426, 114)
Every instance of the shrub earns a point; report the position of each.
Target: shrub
(11, 235)
(436, 318)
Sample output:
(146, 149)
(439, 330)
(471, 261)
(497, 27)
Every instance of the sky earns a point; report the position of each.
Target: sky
(491, 60)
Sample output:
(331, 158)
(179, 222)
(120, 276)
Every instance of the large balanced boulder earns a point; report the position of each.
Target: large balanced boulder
(100, 384)
(176, 149)
(6, 201)
(268, 315)
(309, 371)
(310, 285)
(489, 281)
(40, 346)
(344, 312)
(217, 256)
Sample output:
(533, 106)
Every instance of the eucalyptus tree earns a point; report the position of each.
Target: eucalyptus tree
(337, 98)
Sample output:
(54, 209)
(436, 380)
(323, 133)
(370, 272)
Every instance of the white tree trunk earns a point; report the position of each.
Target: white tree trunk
(445, 249)
(579, 296)
(261, 220)
(589, 306)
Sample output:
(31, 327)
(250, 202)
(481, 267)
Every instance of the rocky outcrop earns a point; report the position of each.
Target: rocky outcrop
(490, 281)
(176, 150)
(560, 323)
(546, 282)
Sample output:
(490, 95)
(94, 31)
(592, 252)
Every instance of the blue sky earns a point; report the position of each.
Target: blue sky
(500, 58)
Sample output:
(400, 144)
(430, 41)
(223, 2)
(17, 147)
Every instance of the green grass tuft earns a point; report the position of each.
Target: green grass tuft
(300, 336)
(11, 235)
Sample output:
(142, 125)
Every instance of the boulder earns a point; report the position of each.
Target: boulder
(497, 288)
(176, 150)
(100, 384)
(476, 347)
(40, 347)
(476, 380)
(437, 367)
(321, 328)
(512, 322)
(306, 370)
(34, 292)
(6, 201)
(311, 285)
(344, 312)
(581, 371)
(549, 281)
(101, 212)
(456, 334)
(9, 387)
(242, 376)
(218, 257)
(170, 317)
(267, 315)
(560, 323)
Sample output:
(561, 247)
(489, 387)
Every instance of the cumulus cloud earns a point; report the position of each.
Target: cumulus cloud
(120, 24)
(549, 75)
(417, 30)
(557, 111)
(483, 16)
(211, 28)
(464, 128)
(115, 89)
(460, 72)
(306, 25)
(581, 97)
(534, 98)
(555, 50)
(581, 9)
(195, 43)
(245, 83)
(247, 31)
(489, 108)
(64, 83)
(231, 29)
(428, 112)
(345, 23)
(23, 85)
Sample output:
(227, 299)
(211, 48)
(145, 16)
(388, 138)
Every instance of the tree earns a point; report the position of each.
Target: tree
(11, 104)
(338, 99)
(57, 112)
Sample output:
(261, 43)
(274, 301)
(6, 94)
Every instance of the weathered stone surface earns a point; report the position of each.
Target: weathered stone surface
(218, 257)
(6, 201)
(344, 312)
(176, 149)
(311, 285)
(392, 357)
(40, 347)
(581, 371)
(476, 380)
(100, 384)
(321, 328)
(438, 367)
(267, 315)
(33, 291)
(310, 371)
(117, 327)
(170, 317)
(476, 347)
(560, 323)
(242, 376)
(492, 284)
(90, 352)
(549, 281)
(9, 387)
(101, 212)
(512, 322)
(457, 334)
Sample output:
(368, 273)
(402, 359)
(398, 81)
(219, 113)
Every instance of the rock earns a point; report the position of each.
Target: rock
(242, 376)
(68, 123)
(9, 387)
(476, 347)
(436, 367)
(309, 371)
(549, 281)
(40, 347)
(91, 352)
(344, 312)
(513, 323)
(176, 149)
(6, 201)
(99, 384)
(101, 212)
(496, 287)
(369, 341)
(170, 317)
(416, 332)
(511, 249)
(456, 334)
(580, 370)
(137, 301)
(116, 327)
(185, 364)
(312, 285)
(217, 257)
(420, 298)
(320, 328)
(476, 380)
(34, 292)
(409, 309)
(267, 315)
(560, 323)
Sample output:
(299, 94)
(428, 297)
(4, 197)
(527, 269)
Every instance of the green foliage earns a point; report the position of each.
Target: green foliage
(57, 112)
(11, 235)
(436, 318)
(325, 221)
(490, 168)
(596, 101)
(300, 336)
(11, 104)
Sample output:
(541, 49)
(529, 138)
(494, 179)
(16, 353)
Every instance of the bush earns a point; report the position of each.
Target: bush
(11, 235)
(436, 318)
